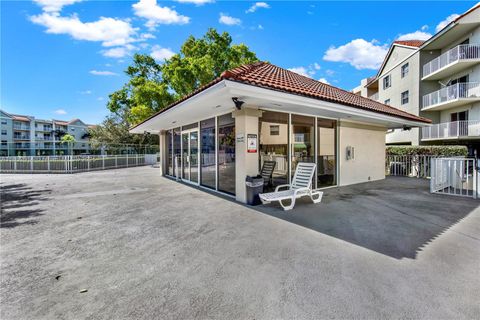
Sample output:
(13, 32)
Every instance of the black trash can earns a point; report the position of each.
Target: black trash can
(254, 188)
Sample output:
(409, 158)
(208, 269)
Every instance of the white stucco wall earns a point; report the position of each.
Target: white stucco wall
(369, 144)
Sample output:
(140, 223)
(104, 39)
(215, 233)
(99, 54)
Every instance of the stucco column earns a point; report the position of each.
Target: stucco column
(162, 137)
(246, 122)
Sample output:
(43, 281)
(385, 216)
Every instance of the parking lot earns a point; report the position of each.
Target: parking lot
(128, 243)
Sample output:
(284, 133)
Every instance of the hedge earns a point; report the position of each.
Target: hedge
(443, 151)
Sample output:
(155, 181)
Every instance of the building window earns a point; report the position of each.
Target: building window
(4, 132)
(72, 129)
(404, 70)
(387, 101)
(274, 130)
(4, 121)
(405, 97)
(4, 143)
(274, 147)
(387, 82)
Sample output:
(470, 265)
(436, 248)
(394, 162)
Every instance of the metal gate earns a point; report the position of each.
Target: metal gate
(455, 176)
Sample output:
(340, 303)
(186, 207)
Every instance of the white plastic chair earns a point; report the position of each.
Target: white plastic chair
(301, 186)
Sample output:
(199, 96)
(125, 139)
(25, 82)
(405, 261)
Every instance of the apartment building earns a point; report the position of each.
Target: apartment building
(438, 79)
(27, 136)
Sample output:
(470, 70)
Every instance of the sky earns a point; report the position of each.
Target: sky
(62, 58)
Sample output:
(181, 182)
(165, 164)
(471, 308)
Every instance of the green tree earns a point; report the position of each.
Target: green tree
(153, 86)
(68, 138)
(202, 60)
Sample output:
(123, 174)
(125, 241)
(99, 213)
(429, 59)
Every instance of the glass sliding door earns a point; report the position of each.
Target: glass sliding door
(207, 158)
(194, 156)
(177, 152)
(273, 145)
(226, 153)
(302, 140)
(326, 153)
(185, 157)
(169, 138)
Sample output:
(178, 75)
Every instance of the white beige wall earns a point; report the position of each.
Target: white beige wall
(369, 144)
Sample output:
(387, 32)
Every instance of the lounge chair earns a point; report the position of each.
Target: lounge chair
(267, 172)
(301, 186)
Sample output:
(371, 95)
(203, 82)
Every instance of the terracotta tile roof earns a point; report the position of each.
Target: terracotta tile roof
(61, 122)
(410, 43)
(20, 118)
(269, 76)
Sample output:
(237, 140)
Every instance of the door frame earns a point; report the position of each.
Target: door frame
(189, 132)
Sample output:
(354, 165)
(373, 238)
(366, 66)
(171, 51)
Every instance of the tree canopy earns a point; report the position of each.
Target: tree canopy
(152, 85)
(67, 138)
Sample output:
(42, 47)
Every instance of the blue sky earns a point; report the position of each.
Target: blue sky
(61, 59)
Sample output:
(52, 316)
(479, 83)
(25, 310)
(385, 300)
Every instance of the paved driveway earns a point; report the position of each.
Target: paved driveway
(146, 247)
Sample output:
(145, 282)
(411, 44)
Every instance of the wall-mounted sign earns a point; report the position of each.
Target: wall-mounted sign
(240, 138)
(251, 143)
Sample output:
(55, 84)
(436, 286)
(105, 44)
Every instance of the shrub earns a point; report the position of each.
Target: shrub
(443, 151)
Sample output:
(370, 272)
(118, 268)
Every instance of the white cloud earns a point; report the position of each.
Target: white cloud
(147, 36)
(260, 27)
(359, 53)
(329, 72)
(257, 5)
(160, 54)
(324, 80)
(100, 98)
(228, 20)
(119, 52)
(301, 71)
(54, 5)
(86, 92)
(197, 2)
(109, 31)
(60, 112)
(445, 22)
(424, 27)
(308, 71)
(103, 73)
(417, 35)
(156, 14)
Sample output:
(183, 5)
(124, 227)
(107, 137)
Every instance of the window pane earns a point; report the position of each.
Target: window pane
(176, 151)
(207, 133)
(274, 147)
(302, 140)
(327, 153)
(226, 153)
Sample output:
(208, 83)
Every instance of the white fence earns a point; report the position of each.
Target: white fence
(454, 176)
(73, 164)
(408, 166)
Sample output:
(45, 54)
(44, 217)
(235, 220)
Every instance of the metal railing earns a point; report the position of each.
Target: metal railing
(417, 166)
(455, 176)
(461, 52)
(73, 164)
(21, 137)
(450, 93)
(19, 127)
(454, 129)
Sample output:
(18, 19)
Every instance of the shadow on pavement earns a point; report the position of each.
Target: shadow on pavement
(18, 202)
(396, 217)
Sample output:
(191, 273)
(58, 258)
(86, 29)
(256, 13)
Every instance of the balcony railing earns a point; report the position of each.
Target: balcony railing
(455, 129)
(457, 91)
(18, 127)
(374, 96)
(21, 137)
(461, 52)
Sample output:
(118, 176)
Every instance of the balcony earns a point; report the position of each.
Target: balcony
(452, 61)
(452, 96)
(452, 130)
(19, 127)
(374, 96)
(21, 137)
